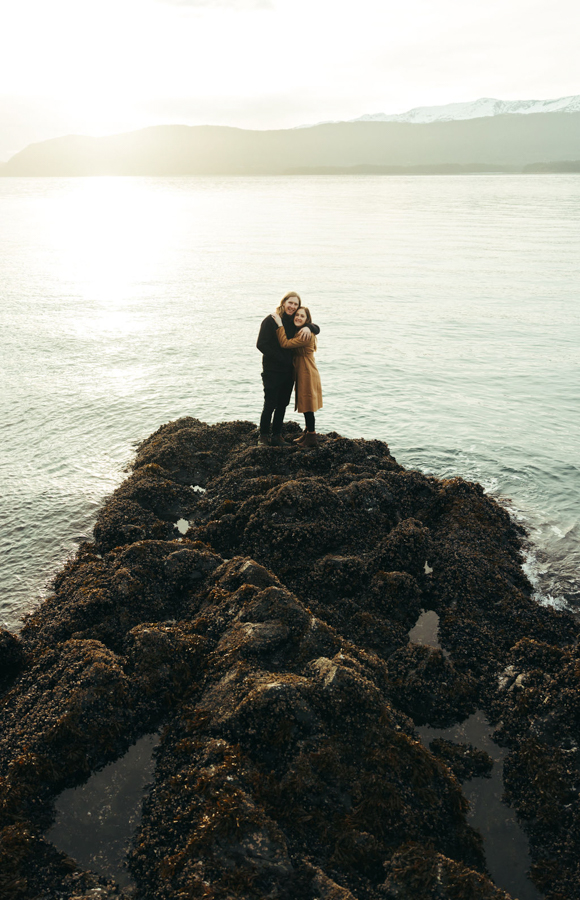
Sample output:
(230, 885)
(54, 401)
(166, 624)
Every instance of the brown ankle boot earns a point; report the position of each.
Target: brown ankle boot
(310, 441)
(300, 439)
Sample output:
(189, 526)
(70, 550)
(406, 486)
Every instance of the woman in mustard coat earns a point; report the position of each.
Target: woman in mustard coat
(308, 390)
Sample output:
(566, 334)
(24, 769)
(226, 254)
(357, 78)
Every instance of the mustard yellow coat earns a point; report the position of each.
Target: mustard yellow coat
(308, 396)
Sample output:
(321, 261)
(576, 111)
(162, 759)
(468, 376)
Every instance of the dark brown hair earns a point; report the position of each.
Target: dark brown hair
(307, 311)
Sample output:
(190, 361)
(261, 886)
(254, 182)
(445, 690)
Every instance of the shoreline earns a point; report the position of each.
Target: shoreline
(270, 641)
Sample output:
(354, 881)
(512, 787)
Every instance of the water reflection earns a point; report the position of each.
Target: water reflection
(95, 822)
(505, 844)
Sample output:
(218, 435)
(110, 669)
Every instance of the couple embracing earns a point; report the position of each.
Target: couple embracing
(287, 341)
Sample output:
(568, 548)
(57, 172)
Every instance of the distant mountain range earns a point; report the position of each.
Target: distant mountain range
(476, 109)
(525, 141)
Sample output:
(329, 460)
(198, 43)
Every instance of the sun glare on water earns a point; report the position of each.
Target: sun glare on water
(112, 237)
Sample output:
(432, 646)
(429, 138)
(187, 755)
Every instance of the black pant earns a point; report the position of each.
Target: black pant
(277, 392)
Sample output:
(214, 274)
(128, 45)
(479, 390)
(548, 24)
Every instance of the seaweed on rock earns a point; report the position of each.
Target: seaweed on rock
(271, 642)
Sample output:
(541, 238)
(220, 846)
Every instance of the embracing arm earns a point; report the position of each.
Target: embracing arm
(304, 335)
(289, 344)
(308, 331)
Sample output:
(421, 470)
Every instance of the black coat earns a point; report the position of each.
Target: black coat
(274, 357)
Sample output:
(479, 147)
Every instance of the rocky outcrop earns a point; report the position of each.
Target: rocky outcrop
(270, 642)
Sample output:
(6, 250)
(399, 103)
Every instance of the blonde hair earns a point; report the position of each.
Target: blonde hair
(280, 309)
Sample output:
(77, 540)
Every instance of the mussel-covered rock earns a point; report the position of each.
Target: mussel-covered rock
(464, 760)
(270, 640)
(11, 657)
(428, 688)
(417, 871)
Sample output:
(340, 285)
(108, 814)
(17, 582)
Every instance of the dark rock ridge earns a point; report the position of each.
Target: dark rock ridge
(270, 644)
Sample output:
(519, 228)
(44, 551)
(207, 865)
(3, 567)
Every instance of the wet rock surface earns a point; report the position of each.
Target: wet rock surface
(270, 645)
(464, 760)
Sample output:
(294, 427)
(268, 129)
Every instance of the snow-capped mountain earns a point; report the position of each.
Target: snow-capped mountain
(476, 109)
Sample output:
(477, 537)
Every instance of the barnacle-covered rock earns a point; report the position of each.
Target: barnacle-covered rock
(191, 451)
(417, 871)
(74, 711)
(11, 657)
(338, 576)
(123, 522)
(103, 598)
(153, 489)
(306, 515)
(396, 596)
(271, 641)
(405, 549)
(428, 688)
(464, 760)
(165, 659)
(296, 764)
(30, 866)
(540, 706)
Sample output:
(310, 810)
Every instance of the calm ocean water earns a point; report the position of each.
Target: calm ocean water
(450, 329)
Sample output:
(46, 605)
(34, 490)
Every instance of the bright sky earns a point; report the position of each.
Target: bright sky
(115, 65)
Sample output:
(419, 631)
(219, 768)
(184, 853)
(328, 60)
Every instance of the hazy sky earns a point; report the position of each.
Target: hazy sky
(115, 65)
